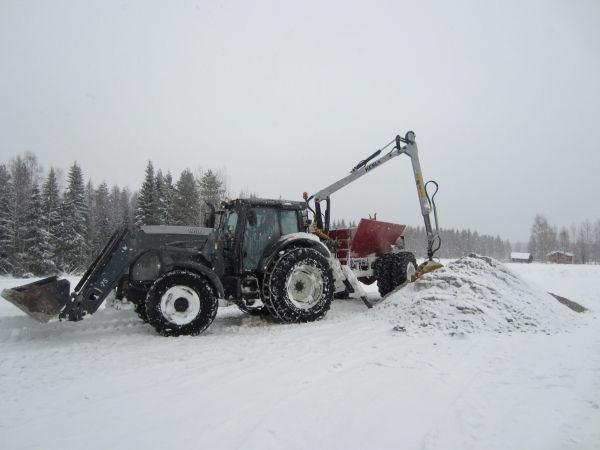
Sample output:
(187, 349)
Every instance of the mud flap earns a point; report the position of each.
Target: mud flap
(42, 300)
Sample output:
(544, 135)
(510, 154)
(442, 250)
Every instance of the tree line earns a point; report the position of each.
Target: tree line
(49, 226)
(582, 241)
(455, 243)
(188, 202)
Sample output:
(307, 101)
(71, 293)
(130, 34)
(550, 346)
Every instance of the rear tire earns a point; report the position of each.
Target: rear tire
(298, 286)
(393, 269)
(181, 303)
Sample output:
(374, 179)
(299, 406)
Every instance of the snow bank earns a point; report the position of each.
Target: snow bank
(474, 294)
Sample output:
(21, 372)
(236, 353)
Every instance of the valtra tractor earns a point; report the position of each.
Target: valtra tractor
(276, 258)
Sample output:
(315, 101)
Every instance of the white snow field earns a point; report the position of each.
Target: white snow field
(358, 379)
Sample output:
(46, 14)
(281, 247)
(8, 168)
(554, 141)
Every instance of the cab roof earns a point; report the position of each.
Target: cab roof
(282, 204)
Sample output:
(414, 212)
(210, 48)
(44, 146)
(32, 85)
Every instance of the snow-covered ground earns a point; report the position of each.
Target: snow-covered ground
(475, 294)
(350, 381)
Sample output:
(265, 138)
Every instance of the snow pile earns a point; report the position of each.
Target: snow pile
(474, 294)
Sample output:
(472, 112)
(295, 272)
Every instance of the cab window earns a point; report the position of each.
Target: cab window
(289, 222)
(229, 226)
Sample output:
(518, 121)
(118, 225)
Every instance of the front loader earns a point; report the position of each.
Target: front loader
(266, 256)
(131, 252)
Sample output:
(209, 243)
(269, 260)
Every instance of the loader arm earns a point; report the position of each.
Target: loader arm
(102, 276)
(404, 146)
(49, 298)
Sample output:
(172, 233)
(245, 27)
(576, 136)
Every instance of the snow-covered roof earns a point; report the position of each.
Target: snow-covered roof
(517, 255)
(560, 252)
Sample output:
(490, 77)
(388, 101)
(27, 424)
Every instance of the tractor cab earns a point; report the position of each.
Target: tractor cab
(247, 232)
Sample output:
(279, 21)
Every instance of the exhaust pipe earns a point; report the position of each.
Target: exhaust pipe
(42, 300)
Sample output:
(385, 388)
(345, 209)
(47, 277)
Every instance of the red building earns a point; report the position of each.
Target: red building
(560, 257)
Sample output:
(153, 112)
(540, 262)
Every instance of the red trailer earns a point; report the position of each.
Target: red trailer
(364, 249)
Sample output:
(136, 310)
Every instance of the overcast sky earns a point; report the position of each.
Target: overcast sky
(504, 98)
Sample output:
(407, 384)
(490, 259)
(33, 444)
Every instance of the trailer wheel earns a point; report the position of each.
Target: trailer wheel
(298, 286)
(181, 303)
(393, 269)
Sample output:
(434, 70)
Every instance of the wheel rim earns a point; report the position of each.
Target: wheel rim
(180, 304)
(304, 286)
(410, 271)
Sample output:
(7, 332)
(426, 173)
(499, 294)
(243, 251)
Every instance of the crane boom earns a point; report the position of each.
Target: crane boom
(404, 146)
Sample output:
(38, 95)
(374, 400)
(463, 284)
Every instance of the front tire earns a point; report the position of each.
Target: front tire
(298, 287)
(181, 303)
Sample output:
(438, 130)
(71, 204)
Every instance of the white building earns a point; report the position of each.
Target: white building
(517, 257)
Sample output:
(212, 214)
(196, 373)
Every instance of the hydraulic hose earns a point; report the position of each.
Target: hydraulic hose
(431, 200)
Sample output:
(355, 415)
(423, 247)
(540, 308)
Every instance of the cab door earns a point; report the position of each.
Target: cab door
(260, 230)
(228, 240)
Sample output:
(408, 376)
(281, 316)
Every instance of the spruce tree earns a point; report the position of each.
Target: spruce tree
(6, 221)
(186, 202)
(133, 205)
(597, 241)
(147, 212)
(160, 195)
(115, 216)
(90, 223)
(102, 225)
(119, 208)
(126, 201)
(24, 170)
(74, 247)
(169, 195)
(37, 257)
(51, 208)
(211, 191)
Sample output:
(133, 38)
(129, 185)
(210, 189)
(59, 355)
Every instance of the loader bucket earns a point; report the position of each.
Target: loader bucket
(42, 300)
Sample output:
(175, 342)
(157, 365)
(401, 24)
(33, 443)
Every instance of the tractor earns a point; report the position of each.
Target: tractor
(267, 256)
